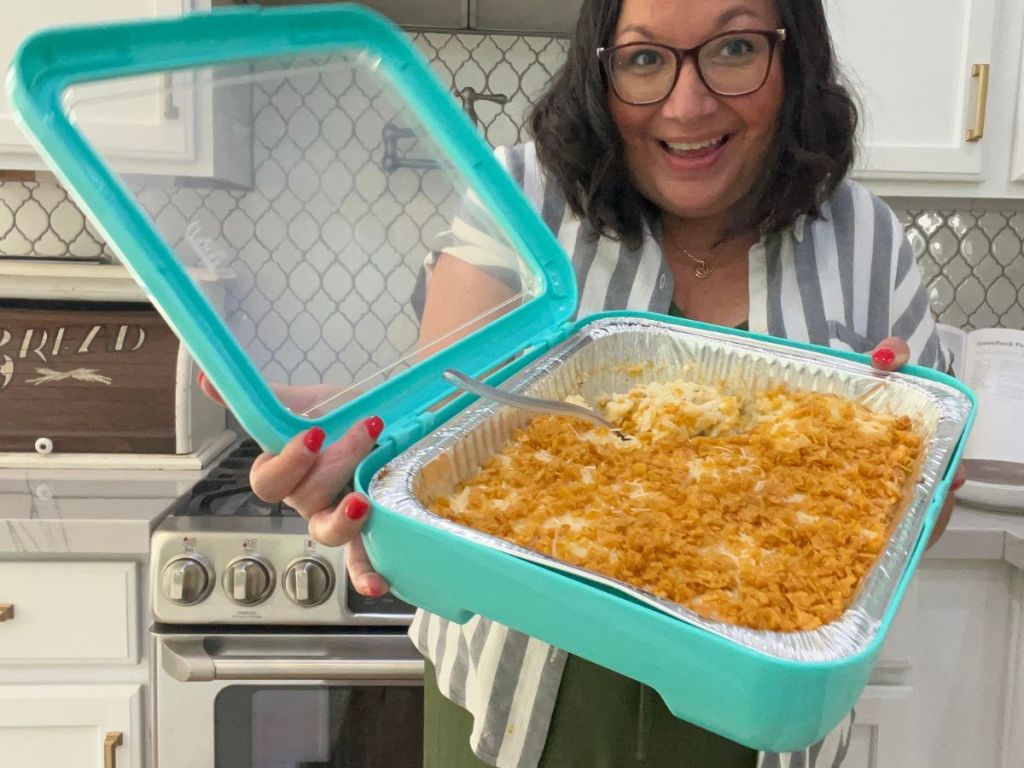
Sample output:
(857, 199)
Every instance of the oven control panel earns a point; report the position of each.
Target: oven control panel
(210, 571)
(386, 605)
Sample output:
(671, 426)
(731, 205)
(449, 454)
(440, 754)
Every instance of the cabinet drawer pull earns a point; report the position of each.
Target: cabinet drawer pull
(6, 611)
(113, 740)
(979, 71)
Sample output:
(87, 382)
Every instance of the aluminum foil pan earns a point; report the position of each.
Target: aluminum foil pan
(615, 354)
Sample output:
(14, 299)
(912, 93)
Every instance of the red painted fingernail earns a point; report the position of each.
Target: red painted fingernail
(356, 508)
(374, 426)
(200, 378)
(958, 483)
(314, 439)
(883, 357)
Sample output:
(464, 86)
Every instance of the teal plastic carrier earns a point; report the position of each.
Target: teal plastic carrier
(290, 179)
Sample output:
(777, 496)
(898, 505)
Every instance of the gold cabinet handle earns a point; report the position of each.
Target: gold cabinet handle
(979, 71)
(113, 740)
(6, 611)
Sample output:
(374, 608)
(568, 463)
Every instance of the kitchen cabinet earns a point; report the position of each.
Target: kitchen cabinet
(436, 14)
(879, 733)
(1017, 167)
(948, 689)
(53, 601)
(911, 67)
(73, 668)
(71, 726)
(938, 91)
(522, 17)
(884, 712)
(1013, 702)
(152, 124)
(525, 17)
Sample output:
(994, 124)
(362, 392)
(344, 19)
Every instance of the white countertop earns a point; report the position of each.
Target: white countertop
(979, 534)
(94, 512)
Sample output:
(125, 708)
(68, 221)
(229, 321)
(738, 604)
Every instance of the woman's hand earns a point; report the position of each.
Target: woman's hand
(893, 353)
(309, 480)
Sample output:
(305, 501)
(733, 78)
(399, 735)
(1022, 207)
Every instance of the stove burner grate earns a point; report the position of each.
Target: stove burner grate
(226, 490)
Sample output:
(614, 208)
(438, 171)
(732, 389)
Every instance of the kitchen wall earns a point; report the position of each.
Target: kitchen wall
(973, 260)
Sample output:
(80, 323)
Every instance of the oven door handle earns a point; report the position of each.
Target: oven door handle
(188, 662)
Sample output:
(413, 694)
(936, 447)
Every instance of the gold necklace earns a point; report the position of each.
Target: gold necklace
(701, 269)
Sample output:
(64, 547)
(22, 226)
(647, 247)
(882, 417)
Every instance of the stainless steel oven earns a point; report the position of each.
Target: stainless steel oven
(263, 655)
(287, 700)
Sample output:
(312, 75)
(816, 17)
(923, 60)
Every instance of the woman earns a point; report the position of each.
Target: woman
(690, 156)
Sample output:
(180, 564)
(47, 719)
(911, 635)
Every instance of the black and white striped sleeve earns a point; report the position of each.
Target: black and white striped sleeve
(473, 235)
(910, 314)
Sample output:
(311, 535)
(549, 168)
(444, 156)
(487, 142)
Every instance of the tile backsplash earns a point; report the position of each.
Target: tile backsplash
(973, 261)
(973, 264)
(38, 218)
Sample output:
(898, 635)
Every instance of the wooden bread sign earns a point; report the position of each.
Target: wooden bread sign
(86, 377)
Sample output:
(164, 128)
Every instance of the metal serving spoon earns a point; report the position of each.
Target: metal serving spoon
(530, 403)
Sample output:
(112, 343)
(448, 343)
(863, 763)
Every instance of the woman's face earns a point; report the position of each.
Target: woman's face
(696, 153)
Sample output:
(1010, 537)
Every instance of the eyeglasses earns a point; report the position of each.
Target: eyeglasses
(731, 64)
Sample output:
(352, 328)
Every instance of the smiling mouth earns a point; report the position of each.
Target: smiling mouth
(695, 149)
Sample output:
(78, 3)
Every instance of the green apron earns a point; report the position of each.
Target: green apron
(601, 720)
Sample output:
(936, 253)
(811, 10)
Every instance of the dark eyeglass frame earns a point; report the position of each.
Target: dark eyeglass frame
(773, 36)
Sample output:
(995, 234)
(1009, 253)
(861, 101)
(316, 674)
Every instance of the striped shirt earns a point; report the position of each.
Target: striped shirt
(845, 280)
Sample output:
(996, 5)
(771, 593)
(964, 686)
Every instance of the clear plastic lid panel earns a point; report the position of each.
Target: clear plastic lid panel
(311, 207)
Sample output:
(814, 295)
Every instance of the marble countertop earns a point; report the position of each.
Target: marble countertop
(87, 512)
(112, 512)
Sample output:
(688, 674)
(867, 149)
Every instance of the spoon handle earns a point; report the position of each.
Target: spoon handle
(524, 402)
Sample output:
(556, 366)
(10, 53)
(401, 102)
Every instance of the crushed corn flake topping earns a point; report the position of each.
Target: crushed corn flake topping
(761, 510)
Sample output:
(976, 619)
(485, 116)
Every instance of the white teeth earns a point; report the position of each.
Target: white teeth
(682, 146)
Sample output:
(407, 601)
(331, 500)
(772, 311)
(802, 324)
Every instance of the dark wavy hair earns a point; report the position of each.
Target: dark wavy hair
(580, 148)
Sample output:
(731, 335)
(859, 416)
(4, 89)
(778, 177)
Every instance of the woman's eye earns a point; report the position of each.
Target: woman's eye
(735, 47)
(643, 58)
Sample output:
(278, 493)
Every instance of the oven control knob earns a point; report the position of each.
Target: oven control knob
(248, 580)
(308, 581)
(186, 580)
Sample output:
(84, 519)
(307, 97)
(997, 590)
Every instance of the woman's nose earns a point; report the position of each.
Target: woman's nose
(690, 98)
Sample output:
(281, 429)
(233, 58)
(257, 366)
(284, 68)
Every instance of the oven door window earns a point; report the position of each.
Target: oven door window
(319, 726)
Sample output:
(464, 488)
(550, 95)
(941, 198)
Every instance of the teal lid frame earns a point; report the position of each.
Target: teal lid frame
(51, 61)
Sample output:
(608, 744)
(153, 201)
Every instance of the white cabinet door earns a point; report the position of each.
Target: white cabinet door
(910, 63)
(22, 19)
(446, 14)
(69, 612)
(880, 737)
(525, 16)
(1017, 165)
(71, 726)
(1013, 704)
(143, 124)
